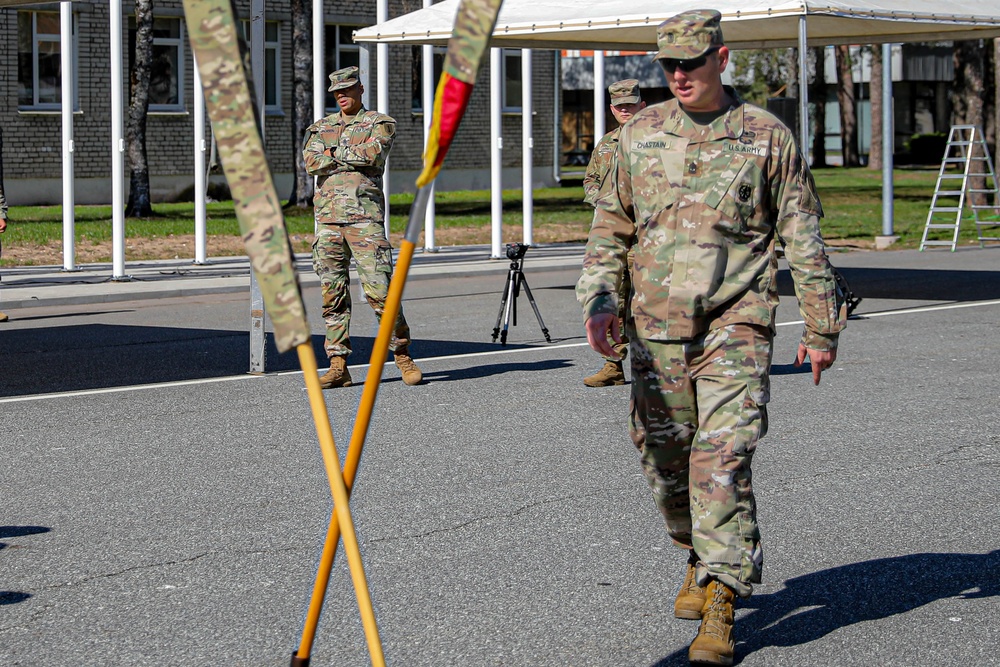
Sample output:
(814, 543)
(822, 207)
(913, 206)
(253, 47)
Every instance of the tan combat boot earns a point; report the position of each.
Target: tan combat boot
(411, 374)
(714, 644)
(338, 375)
(611, 375)
(691, 598)
(3, 317)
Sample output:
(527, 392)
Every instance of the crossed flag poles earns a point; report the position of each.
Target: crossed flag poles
(223, 63)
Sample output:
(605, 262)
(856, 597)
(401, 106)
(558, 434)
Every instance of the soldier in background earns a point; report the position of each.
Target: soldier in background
(347, 151)
(703, 187)
(626, 101)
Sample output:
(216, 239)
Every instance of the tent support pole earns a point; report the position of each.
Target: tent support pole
(600, 121)
(67, 54)
(496, 145)
(527, 143)
(888, 133)
(428, 82)
(117, 148)
(804, 89)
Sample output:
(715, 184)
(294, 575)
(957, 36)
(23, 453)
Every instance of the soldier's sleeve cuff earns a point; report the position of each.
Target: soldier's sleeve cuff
(818, 341)
(602, 304)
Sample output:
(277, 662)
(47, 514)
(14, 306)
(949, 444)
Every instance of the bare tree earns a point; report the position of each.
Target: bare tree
(302, 92)
(817, 93)
(967, 99)
(875, 150)
(848, 113)
(139, 204)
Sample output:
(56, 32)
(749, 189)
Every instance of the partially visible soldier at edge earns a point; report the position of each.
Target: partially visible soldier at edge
(703, 186)
(347, 151)
(626, 101)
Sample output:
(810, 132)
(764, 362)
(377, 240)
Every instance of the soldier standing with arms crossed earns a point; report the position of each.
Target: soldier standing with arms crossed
(347, 151)
(626, 101)
(703, 187)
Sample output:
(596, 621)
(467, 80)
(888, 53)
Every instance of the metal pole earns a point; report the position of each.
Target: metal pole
(200, 175)
(68, 194)
(258, 351)
(804, 90)
(320, 74)
(117, 148)
(496, 146)
(888, 145)
(427, 78)
(382, 63)
(600, 117)
(527, 146)
(556, 124)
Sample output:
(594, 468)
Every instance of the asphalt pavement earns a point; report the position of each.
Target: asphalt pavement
(160, 506)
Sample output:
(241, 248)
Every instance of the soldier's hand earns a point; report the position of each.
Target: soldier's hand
(598, 327)
(3, 225)
(820, 360)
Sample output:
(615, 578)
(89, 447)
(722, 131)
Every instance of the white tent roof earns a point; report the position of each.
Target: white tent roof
(747, 24)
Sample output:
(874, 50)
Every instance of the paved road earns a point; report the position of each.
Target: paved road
(502, 514)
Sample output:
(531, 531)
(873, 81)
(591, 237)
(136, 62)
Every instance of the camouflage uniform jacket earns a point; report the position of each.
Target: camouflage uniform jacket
(349, 187)
(703, 206)
(600, 165)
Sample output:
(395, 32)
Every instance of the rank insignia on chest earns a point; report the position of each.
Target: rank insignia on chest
(743, 192)
(747, 138)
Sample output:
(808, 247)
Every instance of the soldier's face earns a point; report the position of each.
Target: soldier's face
(349, 99)
(700, 88)
(623, 112)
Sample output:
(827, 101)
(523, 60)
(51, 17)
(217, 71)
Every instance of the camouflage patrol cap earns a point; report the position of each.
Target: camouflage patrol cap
(344, 78)
(689, 34)
(625, 92)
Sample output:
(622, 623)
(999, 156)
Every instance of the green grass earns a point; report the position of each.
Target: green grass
(852, 201)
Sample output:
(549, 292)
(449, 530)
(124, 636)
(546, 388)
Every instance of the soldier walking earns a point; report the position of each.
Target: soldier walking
(347, 151)
(703, 187)
(626, 101)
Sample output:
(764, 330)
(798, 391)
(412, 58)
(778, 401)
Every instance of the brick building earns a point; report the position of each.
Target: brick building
(31, 121)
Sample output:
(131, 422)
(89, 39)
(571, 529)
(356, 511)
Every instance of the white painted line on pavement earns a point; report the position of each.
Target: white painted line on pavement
(185, 383)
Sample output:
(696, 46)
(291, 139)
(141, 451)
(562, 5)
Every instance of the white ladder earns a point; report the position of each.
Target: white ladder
(967, 150)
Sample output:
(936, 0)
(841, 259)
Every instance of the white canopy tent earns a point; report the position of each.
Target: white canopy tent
(747, 24)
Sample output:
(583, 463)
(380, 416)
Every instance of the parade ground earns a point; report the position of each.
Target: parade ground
(159, 506)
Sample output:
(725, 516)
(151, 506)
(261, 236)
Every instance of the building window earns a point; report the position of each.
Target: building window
(416, 75)
(272, 64)
(166, 77)
(512, 80)
(341, 52)
(39, 67)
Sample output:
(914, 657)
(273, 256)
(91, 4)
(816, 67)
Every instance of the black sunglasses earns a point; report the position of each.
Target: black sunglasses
(671, 65)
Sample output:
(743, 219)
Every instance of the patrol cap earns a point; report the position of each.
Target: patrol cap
(344, 78)
(689, 34)
(625, 92)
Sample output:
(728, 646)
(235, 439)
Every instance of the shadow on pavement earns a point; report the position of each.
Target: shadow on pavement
(13, 597)
(924, 284)
(814, 605)
(98, 356)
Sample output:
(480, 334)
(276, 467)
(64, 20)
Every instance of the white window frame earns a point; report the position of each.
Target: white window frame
(439, 56)
(272, 64)
(511, 54)
(178, 44)
(56, 38)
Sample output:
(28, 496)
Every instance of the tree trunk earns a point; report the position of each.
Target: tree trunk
(139, 205)
(967, 102)
(848, 114)
(875, 150)
(302, 92)
(817, 93)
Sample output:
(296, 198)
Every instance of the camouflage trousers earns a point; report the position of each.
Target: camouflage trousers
(624, 309)
(332, 251)
(698, 410)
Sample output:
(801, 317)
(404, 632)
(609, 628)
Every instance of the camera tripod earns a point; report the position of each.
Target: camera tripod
(508, 302)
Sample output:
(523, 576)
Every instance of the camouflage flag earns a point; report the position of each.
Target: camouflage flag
(223, 63)
(470, 37)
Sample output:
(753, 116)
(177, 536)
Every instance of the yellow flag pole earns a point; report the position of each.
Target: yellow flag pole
(342, 513)
(380, 352)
